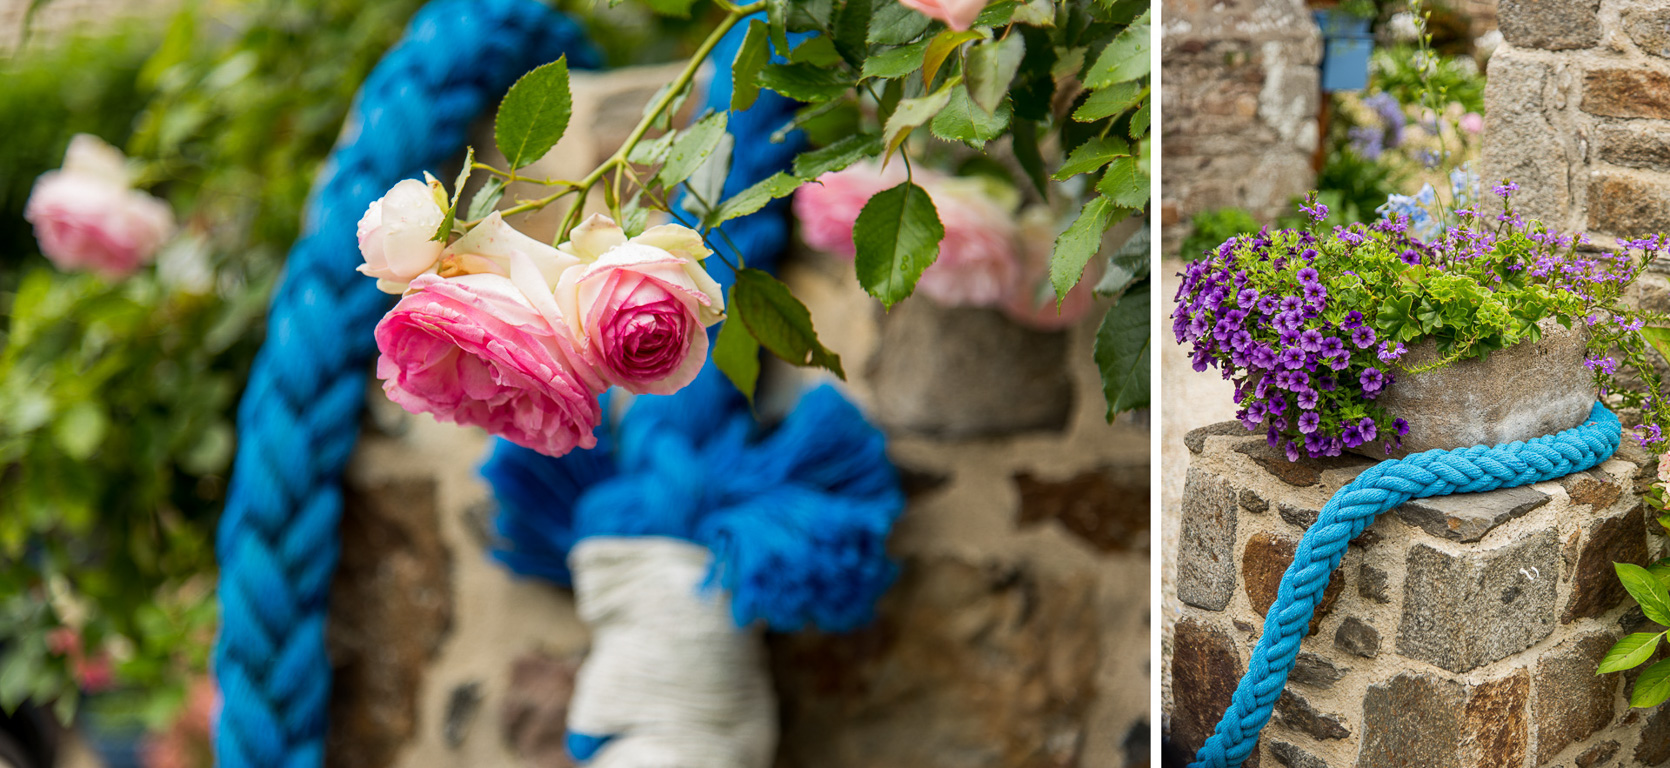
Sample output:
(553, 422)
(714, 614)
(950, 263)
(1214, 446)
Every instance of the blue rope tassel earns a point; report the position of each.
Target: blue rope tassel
(300, 414)
(1378, 489)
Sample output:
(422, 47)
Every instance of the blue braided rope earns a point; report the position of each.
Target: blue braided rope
(299, 417)
(1380, 488)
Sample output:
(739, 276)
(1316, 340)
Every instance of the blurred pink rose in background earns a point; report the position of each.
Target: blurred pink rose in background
(473, 350)
(957, 14)
(87, 216)
(1033, 303)
(827, 208)
(186, 741)
(396, 235)
(977, 264)
(1472, 122)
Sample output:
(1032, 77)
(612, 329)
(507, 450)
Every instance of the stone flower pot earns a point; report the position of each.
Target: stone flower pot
(1524, 391)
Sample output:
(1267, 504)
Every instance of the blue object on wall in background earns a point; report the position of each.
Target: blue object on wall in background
(1345, 52)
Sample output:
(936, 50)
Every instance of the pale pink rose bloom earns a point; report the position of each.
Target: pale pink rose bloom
(1664, 468)
(1472, 122)
(87, 216)
(640, 307)
(977, 265)
(1033, 302)
(957, 14)
(396, 235)
(473, 350)
(827, 208)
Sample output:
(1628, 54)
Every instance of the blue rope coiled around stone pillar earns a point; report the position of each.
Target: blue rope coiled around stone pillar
(299, 417)
(1378, 489)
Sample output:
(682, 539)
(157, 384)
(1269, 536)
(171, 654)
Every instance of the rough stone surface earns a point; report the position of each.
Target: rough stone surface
(1572, 702)
(1294, 757)
(462, 705)
(1464, 610)
(1204, 671)
(1627, 93)
(1629, 203)
(992, 664)
(1294, 712)
(1252, 502)
(1314, 671)
(936, 366)
(1263, 562)
(1597, 754)
(1554, 25)
(1373, 584)
(1206, 547)
(1357, 638)
(1595, 585)
(1494, 722)
(1469, 516)
(1635, 144)
(534, 713)
(1411, 720)
(1303, 473)
(380, 647)
(1195, 439)
(1593, 488)
(1649, 28)
(1107, 508)
(1298, 516)
(1524, 391)
(1654, 747)
(1522, 142)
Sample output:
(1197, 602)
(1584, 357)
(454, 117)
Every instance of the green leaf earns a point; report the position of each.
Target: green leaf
(1659, 338)
(894, 24)
(1124, 183)
(679, 9)
(1630, 652)
(691, 148)
(1112, 100)
(963, 120)
(1025, 144)
(942, 45)
(1127, 265)
(896, 62)
(780, 322)
(534, 114)
(991, 67)
(1078, 244)
(81, 430)
(1125, 58)
(735, 353)
(852, 31)
(1647, 590)
(1091, 155)
(897, 236)
(1140, 122)
(756, 196)
(1652, 687)
(451, 217)
(1122, 353)
(805, 82)
(996, 14)
(776, 18)
(485, 199)
(1037, 13)
(652, 152)
(817, 51)
(754, 54)
(837, 156)
(913, 112)
(707, 185)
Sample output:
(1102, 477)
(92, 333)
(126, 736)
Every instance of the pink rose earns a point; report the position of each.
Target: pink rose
(1472, 122)
(977, 265)
(397, 233)
(957, 14)
(474, 350)
(1032, 303)
(87, 216)
(827, 208)
(640, 307)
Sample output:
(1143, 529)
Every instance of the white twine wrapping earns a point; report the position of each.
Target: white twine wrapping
(669, 676)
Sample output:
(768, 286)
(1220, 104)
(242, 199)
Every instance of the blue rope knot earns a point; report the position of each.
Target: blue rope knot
(1353, 508)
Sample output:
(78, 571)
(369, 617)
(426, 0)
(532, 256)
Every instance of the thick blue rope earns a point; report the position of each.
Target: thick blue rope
(299, 417)
(1378, 489)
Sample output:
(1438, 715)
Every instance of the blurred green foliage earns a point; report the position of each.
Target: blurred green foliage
(1396, 70)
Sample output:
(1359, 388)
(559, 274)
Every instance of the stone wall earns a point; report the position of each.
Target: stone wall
(1239, 109)
(1017, 636)
(1458, 631)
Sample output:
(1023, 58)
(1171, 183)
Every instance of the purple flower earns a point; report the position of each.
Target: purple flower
(1352, 436)
(1292, 452)
(1291, 358)
(1390, 352)
(1315, 293)
(1247, 419)
(1331, 346)
(1276, 405)
(1410, 257)
(1262, 356)
(1400, 426)
(1363, 337)
(1352, 320)
(1327, 383)
(1246, 298)
(1372, 380)
(1240, 340)
(1605, 365)
(1308, 276)
(1339, 362)
(1311, 340)
(1368, 428)
(1309, 254)
(1309, 421)
(1307, 399)
(1291, 303)
(1505, 190)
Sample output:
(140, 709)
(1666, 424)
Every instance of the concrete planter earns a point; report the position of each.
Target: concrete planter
(1524, 391)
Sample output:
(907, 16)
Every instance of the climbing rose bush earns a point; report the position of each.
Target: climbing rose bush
(88, 217)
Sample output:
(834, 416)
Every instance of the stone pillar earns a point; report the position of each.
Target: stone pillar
(1459, 631)
(1240, 106)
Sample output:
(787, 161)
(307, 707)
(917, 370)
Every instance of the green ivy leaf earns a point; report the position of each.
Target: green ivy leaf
(1630, 652)
(991, 67)
(735, 353)
(755, 197)
(691, 149)
(1122, 353)
(1125, 58)
(1078, 244)
(486, 199)
(896, 62)
(897, 236)
(534, 114)
(1652, 687)
(963, 120)
(1124, 183)
(894, 24)
(837, 156)
(1091, 155)
(1112, 100)
(1647, 590)
(754, 54)
(913, 112)
(780, 322)
(805, 82)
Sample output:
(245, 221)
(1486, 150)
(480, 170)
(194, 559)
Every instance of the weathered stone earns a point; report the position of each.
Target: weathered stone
(1524, 391)
(1263, 562)
(1643, 145)
(1494, 722)
(1206, 541)
(1314, 671)
(1107, 508)
(1294, 712)
(1594, 488)
(917, 482)
(1464, 610)
(1204, 671)
(1252, 502)
(1572, 702)
(381, 647)
(1303, 473)
(1627, 93)
(1302, 517)
(461, 708)
(1135, 746)
(935, 364)
(1469, 516)
(1294, 757)
(1654, 747)
(1374, 584)
(1354, 636)
(534, 714)
(1597, 754)
(1522, 142)
(1411, 720)
(1195, 439)
(1629, 203)
(1555, 25)
(988, 661)
(1595, 586)
(1649, 28)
